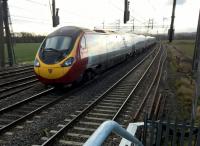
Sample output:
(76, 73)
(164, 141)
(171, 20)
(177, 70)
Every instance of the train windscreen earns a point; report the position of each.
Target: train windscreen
(57, 43)
(54, 49)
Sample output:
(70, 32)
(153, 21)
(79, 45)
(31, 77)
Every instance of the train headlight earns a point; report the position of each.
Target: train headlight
(68, 62)
(36, 63)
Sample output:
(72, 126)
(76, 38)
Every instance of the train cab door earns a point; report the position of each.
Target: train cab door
(82, 57)
(83, 49)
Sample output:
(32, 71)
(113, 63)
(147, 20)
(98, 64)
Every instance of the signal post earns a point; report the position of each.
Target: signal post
(2, 57)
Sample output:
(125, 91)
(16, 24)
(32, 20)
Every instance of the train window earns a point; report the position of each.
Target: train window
(58, 43)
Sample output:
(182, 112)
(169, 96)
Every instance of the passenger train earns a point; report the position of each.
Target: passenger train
(72, 54)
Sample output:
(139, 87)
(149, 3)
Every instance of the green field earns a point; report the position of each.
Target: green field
(186, 46)
(25, 52)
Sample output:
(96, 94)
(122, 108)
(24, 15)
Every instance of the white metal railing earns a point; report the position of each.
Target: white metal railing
(104, 130)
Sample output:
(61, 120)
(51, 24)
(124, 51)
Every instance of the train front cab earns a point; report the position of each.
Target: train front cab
(57, 63)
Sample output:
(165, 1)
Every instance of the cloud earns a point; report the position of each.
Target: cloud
(178, 2)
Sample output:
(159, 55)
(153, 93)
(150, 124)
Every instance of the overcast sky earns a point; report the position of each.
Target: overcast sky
(35, 15)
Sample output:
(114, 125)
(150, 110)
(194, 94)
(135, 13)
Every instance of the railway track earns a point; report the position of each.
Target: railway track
(15, 86)
(14, 68)
(78, 127)
(151, 96)
(142, 103)
(17, 72)
(155, 111)
(27, 112)
(15, 80)
(18, 112)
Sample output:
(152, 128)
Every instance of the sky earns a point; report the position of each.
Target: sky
(35, 15)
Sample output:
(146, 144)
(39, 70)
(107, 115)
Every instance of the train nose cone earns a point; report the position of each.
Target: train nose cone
(51, 73)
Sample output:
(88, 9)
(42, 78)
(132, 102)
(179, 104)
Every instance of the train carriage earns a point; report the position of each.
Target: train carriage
(71, 53)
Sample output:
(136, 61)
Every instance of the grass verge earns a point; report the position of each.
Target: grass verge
(183, 82)
(25, 52)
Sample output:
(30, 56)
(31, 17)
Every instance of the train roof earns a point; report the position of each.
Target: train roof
(75, 31)
(69, 31)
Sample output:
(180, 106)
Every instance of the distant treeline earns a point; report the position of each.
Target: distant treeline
(25, 37)
(179, 36)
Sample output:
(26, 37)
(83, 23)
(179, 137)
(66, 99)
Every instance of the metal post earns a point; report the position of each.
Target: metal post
(133, 25)
(164, 22)
(196, 69)
(151, 23)
(2, 57)
(148, 26)
(118, 25)
(148, 23)
(171, 30)
(197, 48)
(11, 58)
(55, 16)
(126, 11)
(53, 12)
(157, 35)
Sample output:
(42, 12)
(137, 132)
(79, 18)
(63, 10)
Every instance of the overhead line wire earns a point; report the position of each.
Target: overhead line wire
(35, 2)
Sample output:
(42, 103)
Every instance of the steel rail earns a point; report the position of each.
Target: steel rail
(19, 103)
(133, 90)
(15, 92)
(150, 88)
(15, 71)
(156, 88)
(47, 105)
(15, 74)
(157, 106)
(135, 116)
(9, 126)
(17, 86)
(9, 108)
(161, 107)
(14, 68)
(17, 80)
(52, 139)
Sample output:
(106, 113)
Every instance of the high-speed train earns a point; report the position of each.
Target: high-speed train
(71, 54)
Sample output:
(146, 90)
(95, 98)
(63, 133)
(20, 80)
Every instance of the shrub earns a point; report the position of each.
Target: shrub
(183, 91)
(183, 82)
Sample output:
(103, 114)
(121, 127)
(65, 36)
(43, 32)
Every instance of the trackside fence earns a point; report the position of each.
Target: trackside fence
(167, 133)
